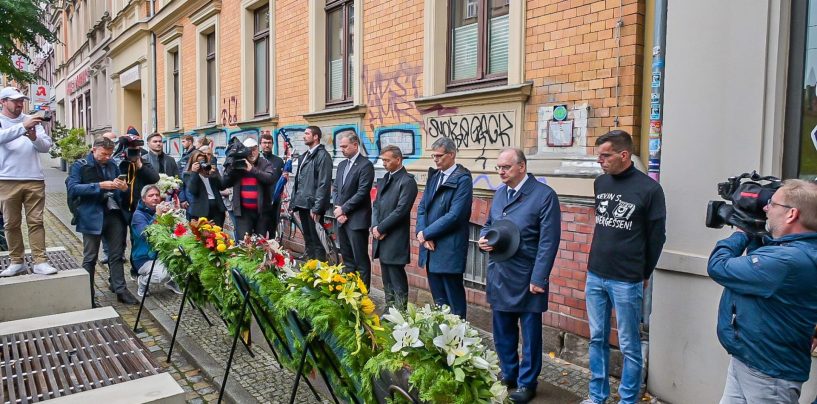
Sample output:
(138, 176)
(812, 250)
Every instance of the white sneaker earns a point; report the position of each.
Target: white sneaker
(44, 268)
(13, 269)
(173, 286)
(588, 401)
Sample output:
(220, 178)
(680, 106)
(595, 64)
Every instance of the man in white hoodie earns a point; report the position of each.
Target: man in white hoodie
(22, 183)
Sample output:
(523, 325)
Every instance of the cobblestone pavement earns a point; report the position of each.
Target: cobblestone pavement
(260, 377)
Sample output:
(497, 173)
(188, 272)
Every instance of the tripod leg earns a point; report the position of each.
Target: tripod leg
(298, 375)
(178, 318)
(232, 350)
(145, 295)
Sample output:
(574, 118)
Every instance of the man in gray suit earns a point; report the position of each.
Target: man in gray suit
(353, 206)
(391, 225)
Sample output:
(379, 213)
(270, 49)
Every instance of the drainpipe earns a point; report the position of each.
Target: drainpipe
(155, 94)
(654, 165)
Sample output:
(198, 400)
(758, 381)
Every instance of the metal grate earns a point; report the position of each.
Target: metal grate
(59, 259)
(54, 362)
(476, 264)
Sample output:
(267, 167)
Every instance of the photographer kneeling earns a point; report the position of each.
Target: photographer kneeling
(768, 309)
(142, 256)
(203, 183)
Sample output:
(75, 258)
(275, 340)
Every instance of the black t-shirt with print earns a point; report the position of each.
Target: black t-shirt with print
(630, 226)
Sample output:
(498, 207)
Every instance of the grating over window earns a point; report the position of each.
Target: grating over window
(476, 264)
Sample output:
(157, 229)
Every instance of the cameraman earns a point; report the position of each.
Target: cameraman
(203, 184)
(138, 170)
(768, 309)
(94, 180)
(252, 182)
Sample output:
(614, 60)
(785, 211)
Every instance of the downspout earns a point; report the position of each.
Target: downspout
(655, 139)
(155, 97)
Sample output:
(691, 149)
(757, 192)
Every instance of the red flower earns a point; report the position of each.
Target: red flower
(180, 230)
(210, 243)
(279, 260)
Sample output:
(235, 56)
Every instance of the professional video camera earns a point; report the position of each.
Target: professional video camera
(749, 194)
(236, 155)
(130, 147)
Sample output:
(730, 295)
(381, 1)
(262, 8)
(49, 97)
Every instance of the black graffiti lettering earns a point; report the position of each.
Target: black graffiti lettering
(229, 111)
(481, 131)
(390, 95)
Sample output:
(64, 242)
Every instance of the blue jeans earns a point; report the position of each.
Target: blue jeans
(601, 296)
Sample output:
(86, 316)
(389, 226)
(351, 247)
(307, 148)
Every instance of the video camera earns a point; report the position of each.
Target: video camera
(749, 194)
(237, 155)
(130, 147)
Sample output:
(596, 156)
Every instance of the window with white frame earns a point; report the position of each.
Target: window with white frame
(174, 78)
(477, 43)
(261, 46)
(340, 51)
(210, 58)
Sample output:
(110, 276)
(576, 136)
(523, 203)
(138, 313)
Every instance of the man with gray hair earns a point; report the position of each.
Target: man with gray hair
(142, 255)
(442, 226)
(353, 206)
(22, 183)
(768, 308)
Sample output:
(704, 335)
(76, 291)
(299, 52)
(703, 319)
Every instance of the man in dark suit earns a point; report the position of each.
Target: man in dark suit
(391, 225)
(353, 206)
(517, 286)
(272, 210)
(311, 191)
(442, 226)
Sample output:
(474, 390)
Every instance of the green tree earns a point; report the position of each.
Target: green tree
(21, 23)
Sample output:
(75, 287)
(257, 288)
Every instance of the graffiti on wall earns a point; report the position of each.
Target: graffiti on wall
(481, 131)
(406, 137)
(389, 95)
(294, 134)
(229, 111)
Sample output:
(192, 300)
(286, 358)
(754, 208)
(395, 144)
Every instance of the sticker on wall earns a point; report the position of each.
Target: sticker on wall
(655, 111)
(560, 112)
(656, 80)
(560, 133)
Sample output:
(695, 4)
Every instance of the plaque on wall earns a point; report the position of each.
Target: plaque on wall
(560, 133)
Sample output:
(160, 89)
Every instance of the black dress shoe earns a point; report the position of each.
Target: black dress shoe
(126, 298)
(509, 383)
(523, 395)
(95, 304)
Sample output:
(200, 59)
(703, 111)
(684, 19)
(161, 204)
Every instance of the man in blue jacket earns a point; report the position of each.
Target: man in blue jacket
(142, 256)
(442, 226)
(94, 184)
(517, 284)
(768, 308)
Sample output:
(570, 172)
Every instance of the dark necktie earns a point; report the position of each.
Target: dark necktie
(387, 178)
(511, 192)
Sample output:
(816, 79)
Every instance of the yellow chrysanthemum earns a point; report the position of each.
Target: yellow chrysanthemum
(232, 243)
(216, 228)
(311, 265)
(338, 288)
(202, 220)
(221, 247)
(367, 305)
(362, 286)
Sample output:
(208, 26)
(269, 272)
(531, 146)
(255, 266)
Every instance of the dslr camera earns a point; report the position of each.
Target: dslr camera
(748, 193)
(44, 114)
(205, 166)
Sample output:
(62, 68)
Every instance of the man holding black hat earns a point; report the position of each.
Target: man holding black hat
(522, 236)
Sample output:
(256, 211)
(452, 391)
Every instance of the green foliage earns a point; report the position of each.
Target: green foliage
(72, 146)
(58, 132)
(21, 23)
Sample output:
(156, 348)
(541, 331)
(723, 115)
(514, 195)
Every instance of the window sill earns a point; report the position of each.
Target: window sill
(259, 121)
(173, 131)
(204, 127)
(480, 96)
(352, 111)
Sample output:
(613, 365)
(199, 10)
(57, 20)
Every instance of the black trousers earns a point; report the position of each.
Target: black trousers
(273, 216)
(354, 248)
(395, 284)
(448, 289)
(213, 213)
(114, 230)
(250, 222)
(312, 243)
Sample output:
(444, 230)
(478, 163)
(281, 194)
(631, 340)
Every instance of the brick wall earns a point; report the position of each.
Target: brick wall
(573, 56)
(291, 60)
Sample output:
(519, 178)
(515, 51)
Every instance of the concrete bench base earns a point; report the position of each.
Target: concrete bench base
(34, 295)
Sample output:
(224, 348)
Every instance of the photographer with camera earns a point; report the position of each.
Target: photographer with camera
(252, 180)
(138, 170)
(99, 189)
(768, 309)
(22, 183)
(203, 183)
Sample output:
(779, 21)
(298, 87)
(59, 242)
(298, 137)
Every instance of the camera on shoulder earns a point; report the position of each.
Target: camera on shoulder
(748, 193)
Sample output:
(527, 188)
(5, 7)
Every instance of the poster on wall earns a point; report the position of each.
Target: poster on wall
(560, 133)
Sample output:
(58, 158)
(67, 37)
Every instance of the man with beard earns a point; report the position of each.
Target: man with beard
(274, 209)
(310, 193)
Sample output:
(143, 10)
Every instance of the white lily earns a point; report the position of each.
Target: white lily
(394, 316)
(405, 336)
(499, 393)
(453, 342)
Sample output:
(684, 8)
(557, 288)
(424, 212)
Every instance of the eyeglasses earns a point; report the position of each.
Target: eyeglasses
(437, 156)
(503, 168)
(773, 203)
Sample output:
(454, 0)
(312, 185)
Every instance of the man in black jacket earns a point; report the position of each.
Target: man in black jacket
(627, 241)
(251, 182)
(157, 158)
(272, 210)
(353, 206)
(310, 193)
(391, 225)
(138, 170)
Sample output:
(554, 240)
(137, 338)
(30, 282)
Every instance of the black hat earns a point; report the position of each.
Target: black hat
(503, 235)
